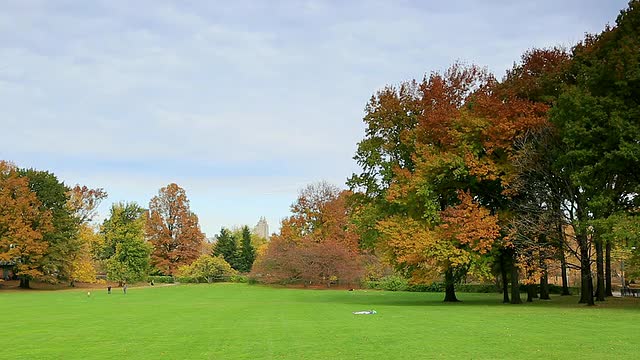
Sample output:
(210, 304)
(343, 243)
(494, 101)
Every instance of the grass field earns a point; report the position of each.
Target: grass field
(239, 321)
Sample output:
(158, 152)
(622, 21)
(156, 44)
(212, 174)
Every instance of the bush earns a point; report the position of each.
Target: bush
(393, 283)
(388, 283)
(160, 279)
(553, 289)
(433, 287)
(206, 269)
(185, 279)
(478, 288)
(463, 288)
(239, 278)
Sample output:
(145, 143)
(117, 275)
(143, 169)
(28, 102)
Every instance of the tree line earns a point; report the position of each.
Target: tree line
(467, 175)
(47, 234)
(463, 175)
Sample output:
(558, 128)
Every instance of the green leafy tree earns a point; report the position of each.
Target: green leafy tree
(596, 119)
(126, 253)
(63, 241)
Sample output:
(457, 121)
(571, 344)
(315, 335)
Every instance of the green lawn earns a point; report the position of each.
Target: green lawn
(238, 321)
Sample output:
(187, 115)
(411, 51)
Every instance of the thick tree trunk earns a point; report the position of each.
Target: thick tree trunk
(515, 286)
(600, 270)
(505, 287)
(24, 283)
(586, 281)
(449, 291)
(531, 292)
(607, 267)
(544, 286)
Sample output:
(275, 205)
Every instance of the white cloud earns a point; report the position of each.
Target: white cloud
(255, 98)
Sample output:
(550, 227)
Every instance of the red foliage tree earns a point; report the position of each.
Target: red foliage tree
(316, 245)
(173, 230)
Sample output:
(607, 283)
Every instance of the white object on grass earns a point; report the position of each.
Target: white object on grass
(366, 312)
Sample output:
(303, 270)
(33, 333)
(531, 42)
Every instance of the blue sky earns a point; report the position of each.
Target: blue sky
(241, 103)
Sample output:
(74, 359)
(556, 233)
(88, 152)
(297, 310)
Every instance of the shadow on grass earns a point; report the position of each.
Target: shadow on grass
(382, 298)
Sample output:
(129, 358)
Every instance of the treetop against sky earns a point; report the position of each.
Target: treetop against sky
(242, 104)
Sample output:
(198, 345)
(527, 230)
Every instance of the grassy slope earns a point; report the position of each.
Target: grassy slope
(238, 321)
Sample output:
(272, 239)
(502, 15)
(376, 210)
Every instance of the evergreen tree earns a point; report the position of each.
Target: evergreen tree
(227, 247)
(247, 252)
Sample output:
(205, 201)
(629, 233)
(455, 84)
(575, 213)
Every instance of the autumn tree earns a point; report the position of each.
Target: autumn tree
(83, 267)
(83, 203)
(173, 230)
(454, 248)
(391, 115)
(125, 251)
(62, 239)
(317, 244)
(24, 223)
(461, 140)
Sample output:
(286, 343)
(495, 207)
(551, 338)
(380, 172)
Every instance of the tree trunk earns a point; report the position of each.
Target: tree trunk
(505, 278)
(561, 247)
(531, 292)
(607, 268)
(600, 270)
(505, 287)
(586, 280)
(515, 286)
(449, 291)
(544, 286)
(563, 269)
(24, 283)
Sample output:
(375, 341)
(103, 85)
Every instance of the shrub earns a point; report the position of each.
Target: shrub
(239, 278)
(206, 269)
(433, 287)
(393, 283)
(464, 288)
(160, 279)
(388, 283)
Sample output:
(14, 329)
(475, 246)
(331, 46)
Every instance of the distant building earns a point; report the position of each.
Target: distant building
(262, 228)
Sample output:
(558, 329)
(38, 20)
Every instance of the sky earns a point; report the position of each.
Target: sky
(241, 103)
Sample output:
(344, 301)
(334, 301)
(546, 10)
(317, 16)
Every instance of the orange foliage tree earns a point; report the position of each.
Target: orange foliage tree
(23, 224)
(173, 230)
(455, 156)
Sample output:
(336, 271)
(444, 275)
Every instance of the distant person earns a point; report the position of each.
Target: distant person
(124, 288)
(109, 289)
(152, 282)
